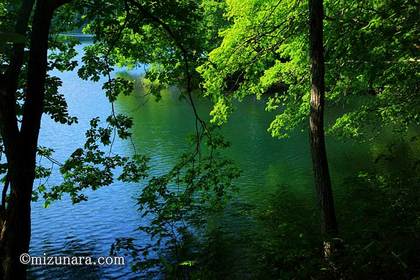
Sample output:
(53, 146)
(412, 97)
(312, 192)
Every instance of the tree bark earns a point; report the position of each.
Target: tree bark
(21, 145)
(316, 121)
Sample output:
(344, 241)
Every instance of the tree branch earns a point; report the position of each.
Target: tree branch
(9, 84)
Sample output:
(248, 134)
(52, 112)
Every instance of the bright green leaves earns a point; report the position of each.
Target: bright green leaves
(263, 53)
(370, 50)
(220, 112)
(156, 80)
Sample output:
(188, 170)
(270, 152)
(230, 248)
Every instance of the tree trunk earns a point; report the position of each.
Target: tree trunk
(16, 230)
(316, 122)
(21, 149)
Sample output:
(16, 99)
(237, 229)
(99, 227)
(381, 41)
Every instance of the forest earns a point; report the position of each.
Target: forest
(209, 139)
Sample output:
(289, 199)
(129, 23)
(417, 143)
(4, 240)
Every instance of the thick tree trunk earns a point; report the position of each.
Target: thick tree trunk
(15, 234)
(21, 150)
(316, 122)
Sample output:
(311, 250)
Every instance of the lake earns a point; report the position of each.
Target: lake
(160, 131)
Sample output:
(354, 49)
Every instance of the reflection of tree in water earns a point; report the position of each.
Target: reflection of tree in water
(378, 210)
(377, 206)
(72, 247)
